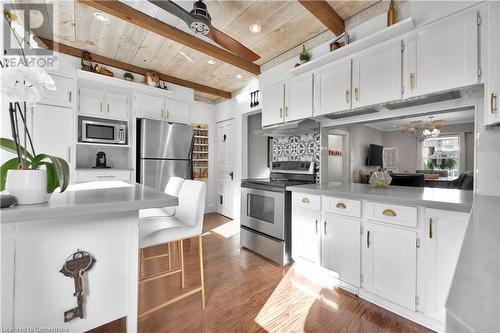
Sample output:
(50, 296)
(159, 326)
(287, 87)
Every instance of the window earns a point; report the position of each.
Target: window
(442, 154)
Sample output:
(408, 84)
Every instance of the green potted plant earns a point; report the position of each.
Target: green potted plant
(304, 55)
(29, 177)
(128, 76)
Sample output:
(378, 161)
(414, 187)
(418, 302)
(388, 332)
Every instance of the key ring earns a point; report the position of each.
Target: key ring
(77, 255)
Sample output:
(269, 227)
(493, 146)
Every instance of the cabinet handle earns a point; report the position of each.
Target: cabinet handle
(324, 225)
(389, 212)
(316, 227)
(107, 107)
(69, 96)
(106, 176)
(347, 96)
(161, 113)
(412, 80)
(305, 200)
(281, 113)
(368, 238)
(430, 228)
(286, 111)
(101, 106)
(356, 94)
(167, 113)
(493, 102)
(341, 205)
(69, 154)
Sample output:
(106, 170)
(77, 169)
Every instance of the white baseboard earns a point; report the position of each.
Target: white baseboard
(210, 208)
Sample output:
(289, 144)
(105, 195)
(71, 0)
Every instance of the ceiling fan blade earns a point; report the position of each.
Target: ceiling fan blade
(231, 44)
(174, 9)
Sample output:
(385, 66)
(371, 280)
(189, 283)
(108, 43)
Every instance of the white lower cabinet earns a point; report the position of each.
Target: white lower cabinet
(389, 263)
(341, 247)
(442, 239)
(306, 236)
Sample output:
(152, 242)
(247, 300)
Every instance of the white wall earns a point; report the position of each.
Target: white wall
(335, 163)
(361, 137)
(257, 149)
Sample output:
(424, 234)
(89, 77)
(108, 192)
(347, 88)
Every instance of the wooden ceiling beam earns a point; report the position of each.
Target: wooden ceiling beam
(326, 14)
(69, 50)
(138, 18)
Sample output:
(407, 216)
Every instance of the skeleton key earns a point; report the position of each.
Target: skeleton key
(76, 266)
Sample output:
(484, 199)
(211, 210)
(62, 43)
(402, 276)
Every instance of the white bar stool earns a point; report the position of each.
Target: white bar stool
(186, 223)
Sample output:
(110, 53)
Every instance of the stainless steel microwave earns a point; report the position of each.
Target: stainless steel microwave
(95, 130)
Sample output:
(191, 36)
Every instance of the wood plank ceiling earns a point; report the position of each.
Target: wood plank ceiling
(285, 24)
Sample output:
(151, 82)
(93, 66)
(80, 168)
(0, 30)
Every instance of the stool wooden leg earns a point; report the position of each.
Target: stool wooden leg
(181, 254)
(169, 259)
(202, 275)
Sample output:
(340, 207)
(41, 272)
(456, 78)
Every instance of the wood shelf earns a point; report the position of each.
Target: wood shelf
(378, 37)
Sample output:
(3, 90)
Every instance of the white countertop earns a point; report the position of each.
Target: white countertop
(473, 302)
(91, 198)
(438, 198)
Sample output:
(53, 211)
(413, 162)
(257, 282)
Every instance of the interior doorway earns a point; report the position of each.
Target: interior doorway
(336, 156)
(226, 185)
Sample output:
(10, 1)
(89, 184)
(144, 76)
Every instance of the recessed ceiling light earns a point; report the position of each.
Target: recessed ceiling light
(101, 16)
(255, 28)
(239, 76)
(211, 61)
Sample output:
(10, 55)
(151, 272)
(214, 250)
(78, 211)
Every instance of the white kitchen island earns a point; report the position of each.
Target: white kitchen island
(100, 218)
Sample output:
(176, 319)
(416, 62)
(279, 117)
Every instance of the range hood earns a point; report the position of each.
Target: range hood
(293, 127)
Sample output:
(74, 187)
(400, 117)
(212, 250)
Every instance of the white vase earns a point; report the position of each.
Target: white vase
(28, 186)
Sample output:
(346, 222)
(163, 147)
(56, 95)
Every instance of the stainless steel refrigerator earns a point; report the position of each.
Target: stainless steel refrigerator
(164, 151)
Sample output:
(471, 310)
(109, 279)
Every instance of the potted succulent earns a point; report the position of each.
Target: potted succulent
(304, 55)
(128, 76)
(29, 177)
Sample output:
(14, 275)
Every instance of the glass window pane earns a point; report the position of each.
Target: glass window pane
(260, 207)
(100, 132)
(441, 153)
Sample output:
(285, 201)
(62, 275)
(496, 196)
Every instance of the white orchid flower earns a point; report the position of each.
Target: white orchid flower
(25, 84)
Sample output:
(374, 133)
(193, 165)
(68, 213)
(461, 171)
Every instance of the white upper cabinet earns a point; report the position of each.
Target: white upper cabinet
(332, 88)
(177, 111)
(99, 103)
(91, 101)
(273, 104)
(443, 56)
(149, 106)
(376, 74)
(442, 239)
(492, 91)
(389, 263)
(306, 236)
(116, 106)
(341, 247)
(299, 98)
(63, 95)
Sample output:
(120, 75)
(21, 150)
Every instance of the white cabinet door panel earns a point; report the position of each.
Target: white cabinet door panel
(116, 106)
(377, 75)
(177, 111)
(62, 96)
(443, 56)
(299, 98)
(389, 263)
(149, 106)
(492, 90)
(332, 88)
(91, 102)
(306, 237)
(273, 104)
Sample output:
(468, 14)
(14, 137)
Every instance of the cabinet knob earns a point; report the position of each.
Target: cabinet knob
(493, 102)
(389, 212)
(341, 205)
(305, 200)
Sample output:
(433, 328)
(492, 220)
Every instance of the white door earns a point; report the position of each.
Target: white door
(341, 247)
(177, 111)
(376, 74)
(63, 95)
(332, 88)
(226, 185)
(149, 106)
(443, 237)
(306, 235)
(389, 263)
(273, 104)
(91, 102)
(299, 98)
(492, 91)
(52, 131)
(443, 56)
(116, 106)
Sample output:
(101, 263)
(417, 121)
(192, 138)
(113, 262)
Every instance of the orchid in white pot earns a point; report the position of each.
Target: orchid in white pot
(31, 178)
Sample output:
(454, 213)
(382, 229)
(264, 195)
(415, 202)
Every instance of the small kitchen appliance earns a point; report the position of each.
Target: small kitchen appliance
(100, 161)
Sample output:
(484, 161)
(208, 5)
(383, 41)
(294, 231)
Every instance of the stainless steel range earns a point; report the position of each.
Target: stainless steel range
(266, 209)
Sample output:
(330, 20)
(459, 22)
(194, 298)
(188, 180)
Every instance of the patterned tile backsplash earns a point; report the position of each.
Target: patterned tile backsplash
(299, 147)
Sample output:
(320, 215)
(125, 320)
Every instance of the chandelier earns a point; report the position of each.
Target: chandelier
(423, 129)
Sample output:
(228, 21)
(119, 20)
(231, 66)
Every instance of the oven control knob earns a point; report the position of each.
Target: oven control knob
(302, 166)
(274, 165)
(278, 165)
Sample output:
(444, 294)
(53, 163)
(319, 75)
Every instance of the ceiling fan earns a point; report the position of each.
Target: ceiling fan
(199, 21)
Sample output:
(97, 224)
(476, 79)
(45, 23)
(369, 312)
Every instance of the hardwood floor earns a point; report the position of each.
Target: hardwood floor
(247, 293)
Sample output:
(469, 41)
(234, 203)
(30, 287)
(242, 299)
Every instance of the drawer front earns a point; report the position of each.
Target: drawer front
(309, 201)
(103, 176)
(393, 214)
(341, 206)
